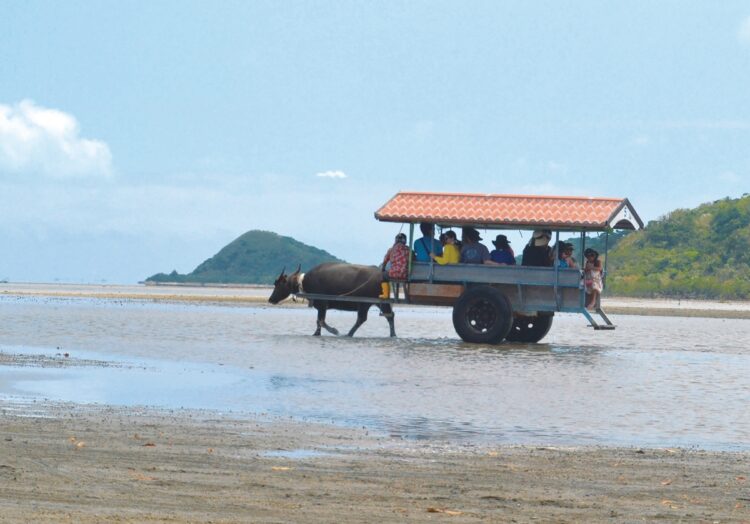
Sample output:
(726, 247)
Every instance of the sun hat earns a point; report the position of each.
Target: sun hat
(470, 232)
(541, 237)
(501, 240)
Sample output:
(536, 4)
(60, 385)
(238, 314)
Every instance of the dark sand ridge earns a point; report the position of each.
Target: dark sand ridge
(67, 463)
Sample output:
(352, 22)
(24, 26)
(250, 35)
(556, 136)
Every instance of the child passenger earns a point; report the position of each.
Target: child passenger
(565, 256)
(592, 276)
(395, 264)
(451, 254)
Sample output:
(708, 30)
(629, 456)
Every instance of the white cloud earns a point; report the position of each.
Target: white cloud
(744, 32)
(183, 206)
(35, 140)
(641, 140)
(332, 174)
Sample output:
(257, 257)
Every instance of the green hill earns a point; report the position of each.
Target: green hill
(598, 242)
(697, 253)
(256, 257)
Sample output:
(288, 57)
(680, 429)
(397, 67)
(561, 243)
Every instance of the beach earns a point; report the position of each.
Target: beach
(110, 456)
(77, 464)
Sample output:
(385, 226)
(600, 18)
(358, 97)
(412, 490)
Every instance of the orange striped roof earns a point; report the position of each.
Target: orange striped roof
(554, 212)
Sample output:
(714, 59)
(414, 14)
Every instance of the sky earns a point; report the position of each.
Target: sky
(138, 137)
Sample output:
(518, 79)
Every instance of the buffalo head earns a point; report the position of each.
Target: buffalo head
(284, 286)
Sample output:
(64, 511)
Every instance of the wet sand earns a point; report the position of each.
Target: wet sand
(676, 307)
(243, 295)
(169, 293)
(90, 463)
(69, 463)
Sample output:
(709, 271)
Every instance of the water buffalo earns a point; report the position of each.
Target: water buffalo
(339, 279)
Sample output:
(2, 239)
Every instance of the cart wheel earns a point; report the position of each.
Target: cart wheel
(482, 315)
(529, 329)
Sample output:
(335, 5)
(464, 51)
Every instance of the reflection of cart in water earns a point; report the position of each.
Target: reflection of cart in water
(495, 303)
(492, 303)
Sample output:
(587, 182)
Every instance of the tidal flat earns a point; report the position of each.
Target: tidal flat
(123, 405)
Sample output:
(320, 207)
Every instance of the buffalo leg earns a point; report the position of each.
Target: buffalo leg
(318, 323)
(388, 314)
(361, 318)
(322, 322)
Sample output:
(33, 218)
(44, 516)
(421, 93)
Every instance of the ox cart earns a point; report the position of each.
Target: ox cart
(510, 302)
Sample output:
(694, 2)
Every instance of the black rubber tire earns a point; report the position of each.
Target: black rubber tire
(482, 315)
(529, 329)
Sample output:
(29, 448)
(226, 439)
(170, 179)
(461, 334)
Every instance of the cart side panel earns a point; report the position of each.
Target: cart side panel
(425, 294)
(486, 274)
(523, 298)
(529, 289)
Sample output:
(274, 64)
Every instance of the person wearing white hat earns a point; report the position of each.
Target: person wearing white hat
(537, 252)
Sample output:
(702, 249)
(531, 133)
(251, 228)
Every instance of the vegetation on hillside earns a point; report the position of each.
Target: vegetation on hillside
(601, 242)
(256, 257)
(696, 253)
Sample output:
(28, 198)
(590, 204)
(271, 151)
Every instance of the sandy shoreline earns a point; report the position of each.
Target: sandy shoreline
(247, 295)
(69, 463)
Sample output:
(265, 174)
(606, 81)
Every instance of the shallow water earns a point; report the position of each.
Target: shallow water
(655, 381)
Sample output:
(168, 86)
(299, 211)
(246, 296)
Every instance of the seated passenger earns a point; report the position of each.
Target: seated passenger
(451, 254)
(427, 244)
(565, 256)
(503, 253)
(472, 252)
(537, 252)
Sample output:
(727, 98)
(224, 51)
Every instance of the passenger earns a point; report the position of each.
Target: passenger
(427, 244)
(451, 253)
(503, 253)
(395, 264)
(537, 252)
(565, 256)
(592, 277)
(472, 252)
